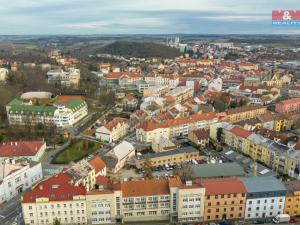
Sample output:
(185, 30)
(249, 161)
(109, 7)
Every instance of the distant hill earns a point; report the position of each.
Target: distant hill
(140, 49)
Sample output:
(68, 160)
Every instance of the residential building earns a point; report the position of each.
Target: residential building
(113, 130)
(122, 79)
(83, 174)
(55, 199)
(288, 106)
(215, 85)
(117, 157)
(142, 86)
(99, 166)
(61, 111)
(265, 197)
(187, 200)
(3, 74)
(292, 199)
(30, 150)
(199, 137)
(71, 77)
(17, 177)
(149, 130)
(244, 113)
(155, 91)
(252, 81)
(101, 206)
(172, 81)
(129, 102)
(181, 93)
(174, 156)
(224, 199)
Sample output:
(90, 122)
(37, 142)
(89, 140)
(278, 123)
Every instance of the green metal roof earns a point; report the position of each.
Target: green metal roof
(16, 106)
(75, 104)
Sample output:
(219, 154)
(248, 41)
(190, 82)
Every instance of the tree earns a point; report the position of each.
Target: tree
(233, 104)
(219, 134)
(56, 222)
(185, 171)
(147, 167)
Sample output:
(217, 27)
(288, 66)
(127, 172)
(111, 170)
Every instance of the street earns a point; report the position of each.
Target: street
(11, 213)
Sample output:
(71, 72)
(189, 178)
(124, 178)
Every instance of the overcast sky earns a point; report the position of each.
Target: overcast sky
(143, 16)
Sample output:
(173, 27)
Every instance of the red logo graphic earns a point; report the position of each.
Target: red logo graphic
(286, 15)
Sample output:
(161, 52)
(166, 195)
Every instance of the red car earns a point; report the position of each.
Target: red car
(294, 220)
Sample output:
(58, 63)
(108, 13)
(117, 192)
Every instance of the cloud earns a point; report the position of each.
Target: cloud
(141, 16)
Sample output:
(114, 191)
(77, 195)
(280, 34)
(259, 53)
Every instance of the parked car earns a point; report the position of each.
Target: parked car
(258, 221)
(294, 220)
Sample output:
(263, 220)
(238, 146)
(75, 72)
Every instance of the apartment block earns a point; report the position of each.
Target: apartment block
(113, 130)
(17, 177)
(65, 78)
(292, 199)
(265, 197)
(55, 199)
(244, 113)
(225, 199)
(34, 108)
(288, 106)
(149, 131)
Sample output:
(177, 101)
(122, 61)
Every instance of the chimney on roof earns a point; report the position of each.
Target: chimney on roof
(255, 169)
(11, 143)
(41, 187)
(189, 183)
(16, 143)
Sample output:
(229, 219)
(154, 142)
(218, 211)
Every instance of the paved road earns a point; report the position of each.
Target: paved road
(11, 213)
(48, 168)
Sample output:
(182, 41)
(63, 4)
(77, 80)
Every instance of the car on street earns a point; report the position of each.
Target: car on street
(294, 220)
(258, 221)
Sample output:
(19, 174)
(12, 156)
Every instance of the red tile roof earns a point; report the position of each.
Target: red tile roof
(145, 188)
(20, 148)
(97, 163)
(57, 188)
(115, 122)
(63, 99)
(223, 186)
(241, 132)
(150, 125)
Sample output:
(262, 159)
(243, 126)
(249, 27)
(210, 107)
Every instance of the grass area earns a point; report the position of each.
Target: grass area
(77, 150)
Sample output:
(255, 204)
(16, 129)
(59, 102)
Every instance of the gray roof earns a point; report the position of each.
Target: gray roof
(218, 170)
(247, 163)
(263, 184)
(188, 149)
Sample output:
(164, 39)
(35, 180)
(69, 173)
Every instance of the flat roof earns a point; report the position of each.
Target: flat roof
(218, 170)
(263, 184)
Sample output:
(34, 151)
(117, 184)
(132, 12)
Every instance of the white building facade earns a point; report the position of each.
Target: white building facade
(17, 177)
(265, 197)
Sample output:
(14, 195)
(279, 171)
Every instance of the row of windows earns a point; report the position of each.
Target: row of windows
(224, 196)
(191, 213)
(58, 213)
(262, 214)
(264, 208)
(224, 210)
(225, 203)
(265, 201)
(217, 217)
(58, 206)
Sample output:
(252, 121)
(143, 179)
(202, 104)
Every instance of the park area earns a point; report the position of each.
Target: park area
(77, 150)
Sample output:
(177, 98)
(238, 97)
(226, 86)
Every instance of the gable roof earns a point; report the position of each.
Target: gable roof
(20, 148)
(223, 186)
(145, 188)
(97, 163)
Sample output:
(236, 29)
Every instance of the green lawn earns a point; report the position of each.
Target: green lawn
(75, 151)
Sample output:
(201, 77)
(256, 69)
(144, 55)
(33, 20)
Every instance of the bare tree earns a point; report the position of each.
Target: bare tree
(185, 171)
(147, 167)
